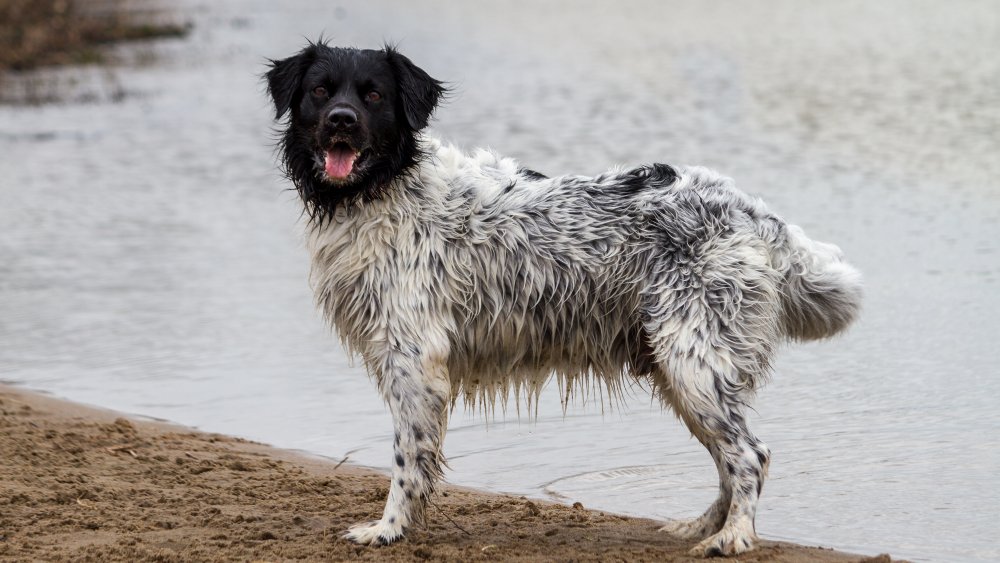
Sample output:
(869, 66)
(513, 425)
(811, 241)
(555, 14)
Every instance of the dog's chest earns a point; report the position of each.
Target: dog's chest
(364, 266)
(349, 257)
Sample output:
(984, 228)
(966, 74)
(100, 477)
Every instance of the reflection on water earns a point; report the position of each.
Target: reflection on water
(151, 261)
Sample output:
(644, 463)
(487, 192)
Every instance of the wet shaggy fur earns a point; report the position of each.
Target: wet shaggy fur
(464, 274)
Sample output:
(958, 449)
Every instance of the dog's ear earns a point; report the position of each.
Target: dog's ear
(284, 80)
(419, 93)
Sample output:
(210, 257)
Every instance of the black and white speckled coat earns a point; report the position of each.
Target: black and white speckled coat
(472, 276)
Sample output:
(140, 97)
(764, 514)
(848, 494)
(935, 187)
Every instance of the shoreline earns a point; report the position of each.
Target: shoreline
(83, 483)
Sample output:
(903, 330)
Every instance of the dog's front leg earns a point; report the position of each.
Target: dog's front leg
(417, 389)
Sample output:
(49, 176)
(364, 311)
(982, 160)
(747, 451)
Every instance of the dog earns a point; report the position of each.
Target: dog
(467, 275)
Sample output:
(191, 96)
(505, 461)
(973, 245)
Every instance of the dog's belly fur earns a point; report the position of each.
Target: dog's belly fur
(491, 357)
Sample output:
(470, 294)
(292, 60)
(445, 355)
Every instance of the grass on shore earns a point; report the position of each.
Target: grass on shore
(36, 33)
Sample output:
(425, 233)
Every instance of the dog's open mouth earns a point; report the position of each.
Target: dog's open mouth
(339, 160)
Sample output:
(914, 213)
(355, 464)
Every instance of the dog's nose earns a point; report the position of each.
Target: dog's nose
(342, 118)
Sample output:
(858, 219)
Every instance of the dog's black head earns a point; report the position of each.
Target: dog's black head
(354, 119)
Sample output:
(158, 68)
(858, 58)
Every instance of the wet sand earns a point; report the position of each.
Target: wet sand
(85, 484)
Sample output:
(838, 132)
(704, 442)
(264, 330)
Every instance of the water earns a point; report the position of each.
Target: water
(151, 259)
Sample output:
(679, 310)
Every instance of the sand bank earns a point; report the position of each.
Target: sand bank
(84, 484)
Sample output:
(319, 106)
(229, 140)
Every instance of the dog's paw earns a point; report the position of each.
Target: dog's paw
(690, 528)
(730, 541)
(374, 533)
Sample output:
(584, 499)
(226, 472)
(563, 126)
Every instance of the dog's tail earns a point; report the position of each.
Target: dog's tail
(822, 293)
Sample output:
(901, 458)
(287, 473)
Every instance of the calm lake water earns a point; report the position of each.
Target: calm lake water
(151, 259)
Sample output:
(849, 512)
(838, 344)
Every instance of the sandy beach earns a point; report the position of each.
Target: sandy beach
(83, 484)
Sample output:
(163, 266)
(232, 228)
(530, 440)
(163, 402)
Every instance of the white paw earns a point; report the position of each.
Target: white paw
(690, 528)
(729, 541)
(374, 533)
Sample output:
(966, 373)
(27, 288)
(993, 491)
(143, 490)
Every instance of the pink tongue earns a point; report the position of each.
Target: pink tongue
(340, 162)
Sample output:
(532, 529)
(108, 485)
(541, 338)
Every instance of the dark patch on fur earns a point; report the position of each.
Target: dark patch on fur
(531, 174)
(651, 175)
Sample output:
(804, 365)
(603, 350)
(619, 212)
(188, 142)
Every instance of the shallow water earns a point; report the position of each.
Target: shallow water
(151, 258)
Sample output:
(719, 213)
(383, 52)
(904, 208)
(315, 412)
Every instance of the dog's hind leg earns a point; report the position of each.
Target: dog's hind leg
(699, 384)
(746, 460)
(712, 520)
(710, 316)
(417, 390)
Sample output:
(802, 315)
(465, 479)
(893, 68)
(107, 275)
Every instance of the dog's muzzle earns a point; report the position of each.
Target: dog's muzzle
(341, 147)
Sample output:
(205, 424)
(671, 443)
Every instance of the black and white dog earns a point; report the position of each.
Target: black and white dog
(466, 274)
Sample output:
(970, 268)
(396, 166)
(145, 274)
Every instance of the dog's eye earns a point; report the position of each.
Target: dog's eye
(319, 92)
(373, 96)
